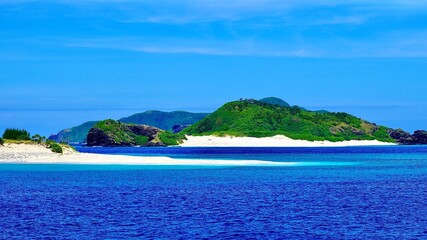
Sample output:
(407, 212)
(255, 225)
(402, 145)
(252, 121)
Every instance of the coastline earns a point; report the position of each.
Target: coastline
(36, 154)
(275, 141)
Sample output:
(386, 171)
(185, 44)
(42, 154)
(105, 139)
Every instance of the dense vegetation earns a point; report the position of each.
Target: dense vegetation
(1, 141)
(164, 120)
(16, 134)
(258, 119)
(75, 134)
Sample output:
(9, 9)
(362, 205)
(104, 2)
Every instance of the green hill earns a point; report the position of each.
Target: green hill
(74, 134)
(164, 120)
(275, 101)
(260, 119)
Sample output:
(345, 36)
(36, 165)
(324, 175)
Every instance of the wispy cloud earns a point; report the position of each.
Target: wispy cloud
(342, 20)
(188, 46)
(403, 43)
(389, 45)
(292, 28)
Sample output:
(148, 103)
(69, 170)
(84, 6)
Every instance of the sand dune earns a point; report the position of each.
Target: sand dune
(276, 141)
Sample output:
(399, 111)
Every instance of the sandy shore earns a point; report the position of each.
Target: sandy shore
(276, 141)
(24, 153)
(33, 153)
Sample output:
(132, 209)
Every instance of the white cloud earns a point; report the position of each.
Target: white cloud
(390, 45)
(337, 20)
(188, 46)
(293, 28)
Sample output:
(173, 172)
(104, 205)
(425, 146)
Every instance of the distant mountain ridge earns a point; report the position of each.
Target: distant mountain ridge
(164, 120)
(159, 119)
(76, 134)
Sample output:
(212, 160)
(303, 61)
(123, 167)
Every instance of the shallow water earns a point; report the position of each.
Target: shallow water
(365, 192)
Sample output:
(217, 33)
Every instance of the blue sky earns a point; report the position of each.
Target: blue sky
(64, 62)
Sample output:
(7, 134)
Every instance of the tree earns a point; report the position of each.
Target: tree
(16, 134)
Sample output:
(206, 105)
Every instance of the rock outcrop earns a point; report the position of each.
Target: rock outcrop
(145, 130)
(418, 138)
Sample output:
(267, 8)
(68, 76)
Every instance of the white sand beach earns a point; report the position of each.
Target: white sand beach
(33, 153)
(276, 141)
(28, 153)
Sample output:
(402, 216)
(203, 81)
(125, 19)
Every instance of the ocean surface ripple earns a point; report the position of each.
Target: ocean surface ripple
(382, 197)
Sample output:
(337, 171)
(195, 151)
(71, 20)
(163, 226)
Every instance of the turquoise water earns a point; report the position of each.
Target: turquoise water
(332, 193)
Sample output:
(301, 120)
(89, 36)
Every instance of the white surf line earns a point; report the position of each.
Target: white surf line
(200, 162)
(255, 163)
(171, 162)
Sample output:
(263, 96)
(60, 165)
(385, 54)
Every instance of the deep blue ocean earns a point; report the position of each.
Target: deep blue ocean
(335, 193)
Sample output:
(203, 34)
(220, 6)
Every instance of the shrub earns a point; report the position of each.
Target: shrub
(56, 148)
(141, 140)
(49, 143)
(16, 134)
(171, 139)
(1, 141)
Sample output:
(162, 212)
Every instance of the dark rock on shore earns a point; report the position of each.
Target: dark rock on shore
(418, 138)
(155, 144)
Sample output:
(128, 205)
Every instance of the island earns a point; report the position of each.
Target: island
(249, 122)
